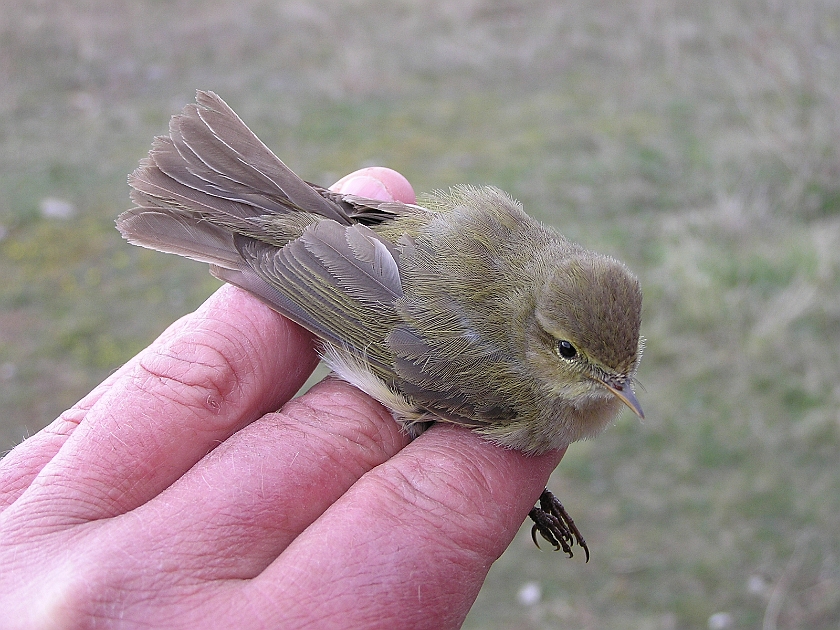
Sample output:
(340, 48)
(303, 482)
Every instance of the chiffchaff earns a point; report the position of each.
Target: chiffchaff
(460, 308)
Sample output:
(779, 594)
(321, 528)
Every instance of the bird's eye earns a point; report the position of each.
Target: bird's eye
(566, 350)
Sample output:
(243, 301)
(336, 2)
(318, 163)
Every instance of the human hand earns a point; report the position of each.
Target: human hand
(173, 495)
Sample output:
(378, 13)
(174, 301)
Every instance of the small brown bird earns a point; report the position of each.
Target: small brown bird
(460, 308)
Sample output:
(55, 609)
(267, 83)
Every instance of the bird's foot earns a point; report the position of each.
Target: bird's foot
(554, 524)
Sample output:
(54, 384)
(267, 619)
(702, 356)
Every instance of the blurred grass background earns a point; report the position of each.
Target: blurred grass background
(698, 142)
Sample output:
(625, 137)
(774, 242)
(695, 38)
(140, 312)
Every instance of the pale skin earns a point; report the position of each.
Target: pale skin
(175, 495)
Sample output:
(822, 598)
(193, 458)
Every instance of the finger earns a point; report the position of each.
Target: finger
(408, 545)
(210, 374)
(21, 465)
(376, 182)
(258, 491)
(417, 533)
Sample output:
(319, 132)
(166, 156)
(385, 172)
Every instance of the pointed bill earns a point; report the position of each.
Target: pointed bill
(626, 395)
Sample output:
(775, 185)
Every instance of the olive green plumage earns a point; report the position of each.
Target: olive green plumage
(460, 308)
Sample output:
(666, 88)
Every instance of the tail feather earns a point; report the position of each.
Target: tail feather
(245, 149)
(173, 232)
(153, 188)
(212, 164)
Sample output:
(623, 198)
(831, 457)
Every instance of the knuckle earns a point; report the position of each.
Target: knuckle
(193, 373)
(448, 497)
(345, 425)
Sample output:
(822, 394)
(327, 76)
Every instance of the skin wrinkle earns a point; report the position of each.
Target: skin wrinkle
(461, 497)
(213, 376)
(245, 349)
(360, 421)
(40, 527)
(19, 468)
(288, 333)
(54, 515)
(77, 413)
(161, 406)
(201, 382)
(23, 469)
(433, 506)
(68, 420)
(237, 369)
(469, 474)
(132, 477)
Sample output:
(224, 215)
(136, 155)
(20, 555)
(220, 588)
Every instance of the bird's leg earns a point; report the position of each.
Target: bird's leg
(554, 524)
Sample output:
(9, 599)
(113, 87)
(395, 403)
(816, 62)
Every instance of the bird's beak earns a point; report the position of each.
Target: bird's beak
(623, 392)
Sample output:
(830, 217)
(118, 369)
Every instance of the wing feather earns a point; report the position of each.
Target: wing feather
(320, 282)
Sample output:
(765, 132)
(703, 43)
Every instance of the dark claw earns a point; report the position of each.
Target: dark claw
(555, 525)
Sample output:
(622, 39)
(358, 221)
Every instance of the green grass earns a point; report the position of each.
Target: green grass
(697, 142)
